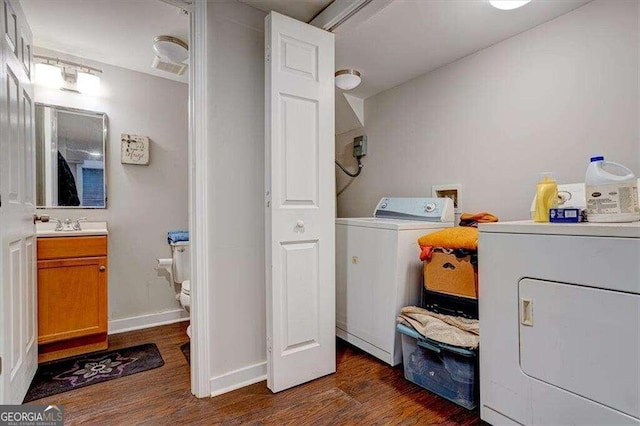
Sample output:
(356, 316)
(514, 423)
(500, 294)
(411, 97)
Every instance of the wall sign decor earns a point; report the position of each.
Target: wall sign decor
(134, 149)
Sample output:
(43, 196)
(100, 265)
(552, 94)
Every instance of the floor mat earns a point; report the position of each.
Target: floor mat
(186, 351)
(79, 371)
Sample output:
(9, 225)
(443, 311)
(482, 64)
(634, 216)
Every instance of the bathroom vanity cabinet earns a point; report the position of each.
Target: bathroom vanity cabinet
(72, 295)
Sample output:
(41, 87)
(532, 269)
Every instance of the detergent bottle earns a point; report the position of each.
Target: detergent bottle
(546, 197)
(610, 197)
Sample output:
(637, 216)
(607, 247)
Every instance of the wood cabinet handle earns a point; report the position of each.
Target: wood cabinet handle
(102, 268)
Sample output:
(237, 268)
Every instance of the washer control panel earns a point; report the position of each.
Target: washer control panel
(424, 209)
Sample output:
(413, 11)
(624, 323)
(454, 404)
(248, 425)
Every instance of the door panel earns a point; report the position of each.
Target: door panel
(15, 144)
(300, 289)
(80, 309)
(300, 240)
(18, 348)
(299, 150)
(15, 285)
(583, 340)
(30, 295)
(10, 26)
(28, 150)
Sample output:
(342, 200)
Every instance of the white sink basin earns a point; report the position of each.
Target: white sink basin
(48, 229)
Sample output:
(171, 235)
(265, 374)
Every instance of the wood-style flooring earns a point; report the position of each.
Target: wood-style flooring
(363, 391)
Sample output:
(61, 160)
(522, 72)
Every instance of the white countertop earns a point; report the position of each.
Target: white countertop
(623, 230)
(47, 229)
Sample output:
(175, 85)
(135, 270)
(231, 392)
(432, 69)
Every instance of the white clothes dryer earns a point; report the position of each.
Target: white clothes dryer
(559, 323)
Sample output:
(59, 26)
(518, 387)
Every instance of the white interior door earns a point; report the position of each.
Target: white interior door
(18, 335)
(300, 194)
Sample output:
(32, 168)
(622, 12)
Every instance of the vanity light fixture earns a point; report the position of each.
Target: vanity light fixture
(66, 75)
(347, 79)
(508, 4)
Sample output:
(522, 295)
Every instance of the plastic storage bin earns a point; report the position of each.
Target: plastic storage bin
(448, 371)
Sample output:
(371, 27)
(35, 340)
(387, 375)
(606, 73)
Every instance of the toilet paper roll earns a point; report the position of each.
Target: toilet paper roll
(165, 263)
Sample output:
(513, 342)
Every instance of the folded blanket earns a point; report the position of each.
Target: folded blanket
(460, 237)
(455, 331)
(473, 219)
(177, 236)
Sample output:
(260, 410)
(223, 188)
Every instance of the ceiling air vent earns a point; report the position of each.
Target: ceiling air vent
(170, 67)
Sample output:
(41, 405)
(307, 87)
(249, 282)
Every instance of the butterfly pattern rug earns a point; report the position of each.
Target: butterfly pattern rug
(63, 375)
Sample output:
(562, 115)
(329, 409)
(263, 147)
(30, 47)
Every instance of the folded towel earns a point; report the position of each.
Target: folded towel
(473, 219)
(455, 331)
(177, 236)
(460, 237)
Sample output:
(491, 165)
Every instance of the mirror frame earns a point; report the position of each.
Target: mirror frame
(104, 150)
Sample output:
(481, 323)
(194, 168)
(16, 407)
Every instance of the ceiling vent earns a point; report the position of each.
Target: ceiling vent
(170, 67)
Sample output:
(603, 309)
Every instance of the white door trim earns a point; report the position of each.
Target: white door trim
(198, 203)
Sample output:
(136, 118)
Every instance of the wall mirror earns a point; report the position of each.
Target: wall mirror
(70, 157)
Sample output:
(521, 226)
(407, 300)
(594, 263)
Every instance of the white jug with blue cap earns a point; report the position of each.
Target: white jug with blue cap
(611, 197)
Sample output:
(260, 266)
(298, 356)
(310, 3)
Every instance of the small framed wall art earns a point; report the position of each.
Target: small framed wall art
(134, 149)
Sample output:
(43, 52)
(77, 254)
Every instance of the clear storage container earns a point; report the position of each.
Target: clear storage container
(448, 371)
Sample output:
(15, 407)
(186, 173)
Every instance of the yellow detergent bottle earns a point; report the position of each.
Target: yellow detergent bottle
(546, 197)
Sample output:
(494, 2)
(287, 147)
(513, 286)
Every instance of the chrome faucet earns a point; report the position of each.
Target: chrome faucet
(68, 224)
(76, 224)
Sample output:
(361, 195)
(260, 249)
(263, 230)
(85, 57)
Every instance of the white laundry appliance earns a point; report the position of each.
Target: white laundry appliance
(560, 323)
(378, 270)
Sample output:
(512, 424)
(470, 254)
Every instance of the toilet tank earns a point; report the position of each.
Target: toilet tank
(181, 261)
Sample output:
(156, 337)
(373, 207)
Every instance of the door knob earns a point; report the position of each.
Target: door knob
(300, 223)
(102, 268)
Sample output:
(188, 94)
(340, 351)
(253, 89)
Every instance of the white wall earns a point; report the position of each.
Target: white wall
(545, 99)
(236, 149)
(144, 202)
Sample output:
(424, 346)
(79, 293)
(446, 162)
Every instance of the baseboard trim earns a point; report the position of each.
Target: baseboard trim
(238, 378)
(147, 321)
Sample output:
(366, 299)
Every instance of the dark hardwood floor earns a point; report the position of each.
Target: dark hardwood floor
(363, 391)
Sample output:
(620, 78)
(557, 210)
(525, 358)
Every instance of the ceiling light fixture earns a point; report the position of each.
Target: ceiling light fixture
(171, 48)
(347, 79)
(508, 4)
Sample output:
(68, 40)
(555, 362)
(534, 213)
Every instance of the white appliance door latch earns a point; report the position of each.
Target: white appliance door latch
(526, 312)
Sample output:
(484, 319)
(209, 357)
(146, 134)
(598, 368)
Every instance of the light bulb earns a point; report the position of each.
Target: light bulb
(48, 76)
(88, 84)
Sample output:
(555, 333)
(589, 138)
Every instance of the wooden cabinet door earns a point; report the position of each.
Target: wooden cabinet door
(72, 298)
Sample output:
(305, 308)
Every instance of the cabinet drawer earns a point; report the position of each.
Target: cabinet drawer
(69, 247)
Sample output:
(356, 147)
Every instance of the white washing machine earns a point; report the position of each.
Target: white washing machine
(378, 270)
(560, 323)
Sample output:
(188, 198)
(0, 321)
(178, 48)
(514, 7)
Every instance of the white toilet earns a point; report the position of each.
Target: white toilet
(181, 272)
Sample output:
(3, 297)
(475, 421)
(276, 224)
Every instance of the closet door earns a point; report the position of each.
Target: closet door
(300, 202)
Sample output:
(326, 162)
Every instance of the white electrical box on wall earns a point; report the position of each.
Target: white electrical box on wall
(450, 190)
